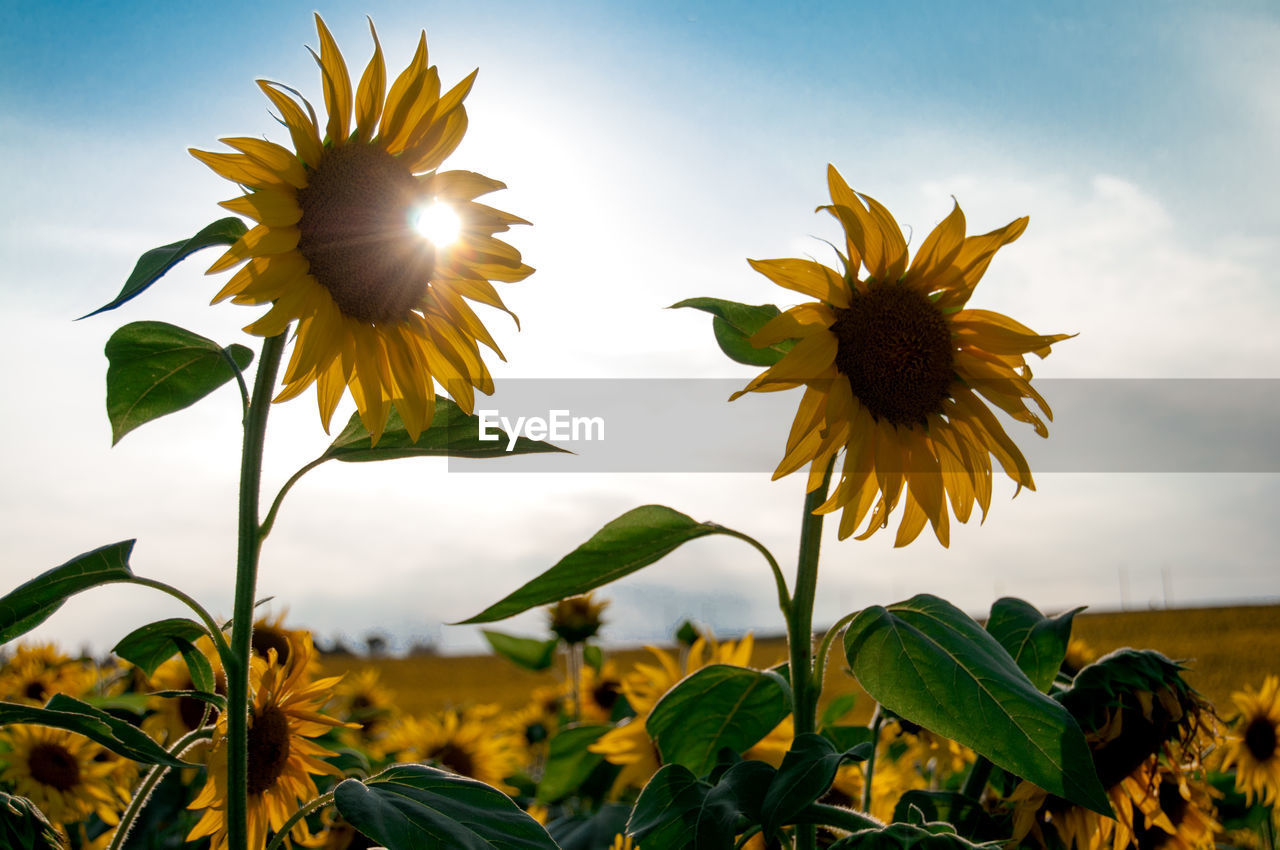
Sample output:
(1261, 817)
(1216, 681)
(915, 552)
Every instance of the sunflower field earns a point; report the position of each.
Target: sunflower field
(910, 725)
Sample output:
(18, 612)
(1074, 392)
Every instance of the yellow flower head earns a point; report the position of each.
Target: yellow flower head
(284, 716)
(1254, 745)
(478, 741)
(577, 618)
(381, 310)
(67, 776)
(896, 370)
(38, 671)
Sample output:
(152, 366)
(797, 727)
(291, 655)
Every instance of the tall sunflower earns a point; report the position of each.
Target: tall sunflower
(380, 310)
(1254, 745)
(67, 776)
(284, 715)
(898, 373)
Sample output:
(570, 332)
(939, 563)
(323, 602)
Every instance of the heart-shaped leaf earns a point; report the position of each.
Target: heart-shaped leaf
(929, 662)
(715, 707)
(415, 807)
(155, 643)
(155, 369)
(806, 773)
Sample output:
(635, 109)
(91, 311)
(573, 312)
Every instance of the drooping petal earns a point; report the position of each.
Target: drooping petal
(370, 93)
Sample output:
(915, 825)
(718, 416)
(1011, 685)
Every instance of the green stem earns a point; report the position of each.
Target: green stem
(235, 368)
(824, 649)
(837, 817)
(318, 803)
(148, 784)
(237, 665)
(804, 690)
(869, 771)
(288, 485)
(215, 632)
(800, 623)
(977, 778)
(784, 596)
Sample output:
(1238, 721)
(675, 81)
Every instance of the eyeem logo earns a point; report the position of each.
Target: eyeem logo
(559, 425)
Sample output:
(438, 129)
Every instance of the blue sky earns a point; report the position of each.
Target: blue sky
(654, 146)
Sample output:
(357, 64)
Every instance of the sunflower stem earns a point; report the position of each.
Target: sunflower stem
(869, 771)
(281, 834)
(250, 540)
(143, 792)
(804, 690)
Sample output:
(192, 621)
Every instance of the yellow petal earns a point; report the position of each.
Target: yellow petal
(437, 143)
(893, 245)
(462, 185)
(267, 206)
(260, 241)
(241, 169)
(337, 85)
(372, 90)
(806, 277)
(938, 250)
(302, 126)
(279, 160)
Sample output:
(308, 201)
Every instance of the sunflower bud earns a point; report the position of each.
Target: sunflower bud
(577, 618)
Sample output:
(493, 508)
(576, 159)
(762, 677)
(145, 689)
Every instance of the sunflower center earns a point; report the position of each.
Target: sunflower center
(266, 639)
(53, 766)
(268, 748)
(606, 694)
(1260, 739)
(895, 348)
(455, 758)
(357, 233)
(35, 690)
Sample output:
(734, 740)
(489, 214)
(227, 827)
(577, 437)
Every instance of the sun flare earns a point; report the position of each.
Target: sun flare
(438, 223)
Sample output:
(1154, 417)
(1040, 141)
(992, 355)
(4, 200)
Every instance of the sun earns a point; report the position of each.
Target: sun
(438, 223)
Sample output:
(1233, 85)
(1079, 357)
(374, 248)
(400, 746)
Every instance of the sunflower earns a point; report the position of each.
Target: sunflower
(1186, 809)
(381, 310)
(171, 718)
(628, 744)
(67, 776)
(1254, 745)
(363, 700)
(599, 693)
(895, 371)
(284, 715)
(577, 618)
(38, 671)
(473, 742)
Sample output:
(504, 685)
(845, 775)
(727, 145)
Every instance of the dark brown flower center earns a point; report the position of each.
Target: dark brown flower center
(268, 748)
(266, 638)
(357, 233)
(895, 348)
(606, 694)
(454, 758)
(36, 690)
(52, 765)
(1260, 739)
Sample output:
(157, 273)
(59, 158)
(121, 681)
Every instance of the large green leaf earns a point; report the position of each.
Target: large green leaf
(155, 643)
(64, 712)
(155, 368)
(634, 540)
(717, 706)
(31, 604)
(415, 807)
(806, 772)
(453, 433)
(929, 662)
(676, 810)
(569, 762)
(152, 265)
(534, 654)
(733, 323)
(24, 827)
(1037, 643)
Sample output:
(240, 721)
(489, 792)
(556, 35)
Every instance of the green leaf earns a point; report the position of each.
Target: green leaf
(837, 708)
(453, 433)
(31, 604)
(64, 712)
(415, 807)
(155, 368)
(806, 772)
(675, 810)
(906, 836)
(529, 653)
(152, 265)
(717, 706)
(24, 827)
(1037, 643)
(930, 663)
(155, 643)
(845, 737)
(198, 666)
(569, 762)
(593, 656)
(734, 323)
(634, 540)
(667, 803)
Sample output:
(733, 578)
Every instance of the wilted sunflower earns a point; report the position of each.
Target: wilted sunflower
(67, 776)
(896, 371)
(381, 310)
(283, 716)
(1254, 746)
(476, 742)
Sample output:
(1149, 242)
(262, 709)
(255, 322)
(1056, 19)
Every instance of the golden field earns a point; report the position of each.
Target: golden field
(1224, 649)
